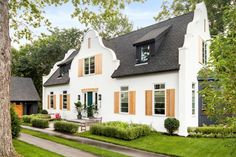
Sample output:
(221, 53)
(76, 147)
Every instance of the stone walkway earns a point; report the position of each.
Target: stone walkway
(112, 147)
(54, 147)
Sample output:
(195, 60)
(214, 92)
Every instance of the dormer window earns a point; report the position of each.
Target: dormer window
(145, 53)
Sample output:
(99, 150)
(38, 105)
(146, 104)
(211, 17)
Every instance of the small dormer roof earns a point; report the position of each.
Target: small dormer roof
(152, 35)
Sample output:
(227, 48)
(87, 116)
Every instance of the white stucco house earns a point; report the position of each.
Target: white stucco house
(143, 77)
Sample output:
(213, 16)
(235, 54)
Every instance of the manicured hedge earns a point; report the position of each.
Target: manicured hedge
(171, 125)
(26, 118)
(120, 130)
(212, 131)
(39, 123)
(66, 127)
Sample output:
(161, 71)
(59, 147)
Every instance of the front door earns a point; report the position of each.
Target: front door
(90, 104)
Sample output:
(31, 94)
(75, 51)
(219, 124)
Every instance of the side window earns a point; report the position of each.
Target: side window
(159, 99)
(204, 53)
(124, 103)
(51, 100)
(193, 98)
(64, 100)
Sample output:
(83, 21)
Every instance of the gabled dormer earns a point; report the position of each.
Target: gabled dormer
(148, 45)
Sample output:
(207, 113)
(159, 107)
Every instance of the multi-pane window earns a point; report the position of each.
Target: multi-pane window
(193, 98)
(124, 106)
(89, 65)
(64, 99)
(204, 52)
(145, 53)
(159, 99)
(51, 100)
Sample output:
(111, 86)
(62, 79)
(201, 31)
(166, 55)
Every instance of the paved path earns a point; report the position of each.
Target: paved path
(54, 147)
(113, 147)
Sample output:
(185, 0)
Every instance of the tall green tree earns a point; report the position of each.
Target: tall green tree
(215, 10)
(220, 95)
(36, 59)
(23, 15)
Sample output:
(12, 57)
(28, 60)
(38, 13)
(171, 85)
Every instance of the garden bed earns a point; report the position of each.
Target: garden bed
(120, 130)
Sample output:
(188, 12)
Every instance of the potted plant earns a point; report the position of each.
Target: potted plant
(91, 110)
(79, 106)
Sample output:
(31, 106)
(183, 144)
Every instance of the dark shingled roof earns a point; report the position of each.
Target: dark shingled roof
(23, 89)
(166, 58)
(56, 79)
(152, 35)
(169, 34)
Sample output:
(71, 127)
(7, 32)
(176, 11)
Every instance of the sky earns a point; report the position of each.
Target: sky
(140, 14)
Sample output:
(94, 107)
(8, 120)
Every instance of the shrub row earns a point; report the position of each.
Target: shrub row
(66, 127)
(120, 130)
(39, 123)
(212, 131)
(28, 118)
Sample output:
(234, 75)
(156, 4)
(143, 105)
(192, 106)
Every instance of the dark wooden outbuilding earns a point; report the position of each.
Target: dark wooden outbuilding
(23, 96)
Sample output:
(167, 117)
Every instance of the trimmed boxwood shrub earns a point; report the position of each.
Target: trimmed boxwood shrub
(120, 130)
(66, 127)
(26, 118)
(212, 131)
(44, 112)
(171, 125)
(39, 123)
(15, 124)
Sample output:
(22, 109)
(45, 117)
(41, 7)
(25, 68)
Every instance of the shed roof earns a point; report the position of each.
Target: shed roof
(23, 89)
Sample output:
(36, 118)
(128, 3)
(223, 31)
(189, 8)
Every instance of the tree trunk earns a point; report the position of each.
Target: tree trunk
(6, 146)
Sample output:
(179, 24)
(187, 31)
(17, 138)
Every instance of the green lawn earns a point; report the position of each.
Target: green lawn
(177, 146)
(74, 144)
(28, 150)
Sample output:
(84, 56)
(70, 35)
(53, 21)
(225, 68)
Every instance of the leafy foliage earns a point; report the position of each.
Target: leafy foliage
(212, 131)
(220, 95)
(171, 125)
(120, 130)
(66, 127)
(37, 59)
(15, 124)
(215, 10)
(39, 123)
(44, 112)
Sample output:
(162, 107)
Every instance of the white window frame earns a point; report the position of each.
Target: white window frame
(89, 65)
(124, 91)
(64, 94)
(193, 97)
(154, 98)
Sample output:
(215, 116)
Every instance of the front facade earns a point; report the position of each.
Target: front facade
(142, 77)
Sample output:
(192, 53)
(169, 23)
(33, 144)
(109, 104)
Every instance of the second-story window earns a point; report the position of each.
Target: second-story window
(89, 65)
(145, 53)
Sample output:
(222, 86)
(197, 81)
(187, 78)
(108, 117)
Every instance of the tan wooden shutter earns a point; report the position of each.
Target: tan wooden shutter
(68, 101)
(54, 102)
(48, 101)
(116, 102)
(60, 101)
(98, 64)
(80, 67)
(132, 102)
(200, 49)
(170, 102)
(148, 102)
